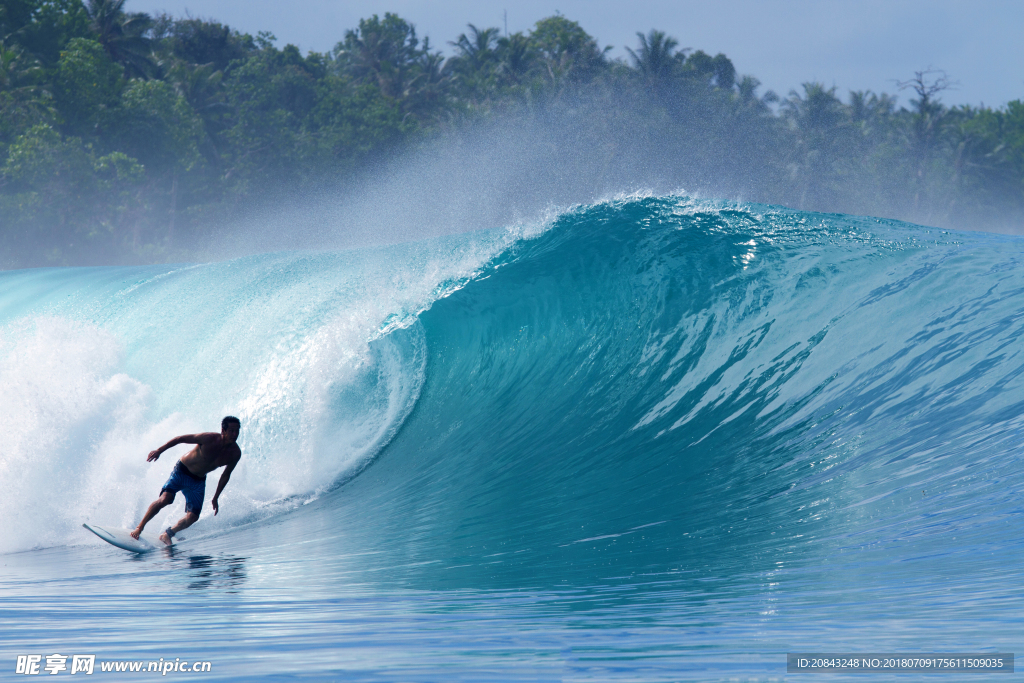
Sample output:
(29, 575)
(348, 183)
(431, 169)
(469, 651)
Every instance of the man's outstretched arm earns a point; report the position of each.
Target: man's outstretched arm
(184, 438)
(221, 484)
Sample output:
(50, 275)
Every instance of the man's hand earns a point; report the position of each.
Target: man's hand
(223, 482)
(153, 455)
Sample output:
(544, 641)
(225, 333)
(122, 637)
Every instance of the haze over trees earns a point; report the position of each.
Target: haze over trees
(126, 137)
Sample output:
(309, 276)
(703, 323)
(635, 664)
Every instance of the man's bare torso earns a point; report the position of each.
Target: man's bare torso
(205, 458)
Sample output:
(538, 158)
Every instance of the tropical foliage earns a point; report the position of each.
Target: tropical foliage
(125, 136)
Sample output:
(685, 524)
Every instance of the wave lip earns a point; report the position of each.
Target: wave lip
(660, 383)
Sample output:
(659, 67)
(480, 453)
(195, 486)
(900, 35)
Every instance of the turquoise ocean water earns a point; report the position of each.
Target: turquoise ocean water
(653, 439)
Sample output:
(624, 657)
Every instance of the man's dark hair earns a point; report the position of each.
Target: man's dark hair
(230, 419)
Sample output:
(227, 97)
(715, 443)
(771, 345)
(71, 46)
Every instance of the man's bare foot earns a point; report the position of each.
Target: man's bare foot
(135, 534)
(165, 538)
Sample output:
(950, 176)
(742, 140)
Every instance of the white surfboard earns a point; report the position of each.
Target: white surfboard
(122, 538)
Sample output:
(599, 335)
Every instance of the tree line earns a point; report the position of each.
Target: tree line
(125, 137)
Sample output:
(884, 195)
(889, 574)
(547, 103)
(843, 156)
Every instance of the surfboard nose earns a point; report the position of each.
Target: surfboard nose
(121, 538)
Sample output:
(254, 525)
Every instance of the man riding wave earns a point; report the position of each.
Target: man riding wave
(212, 451)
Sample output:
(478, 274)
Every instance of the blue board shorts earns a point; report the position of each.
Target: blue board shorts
(191, 486)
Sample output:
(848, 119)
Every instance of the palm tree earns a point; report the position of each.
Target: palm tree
(17, 72)
(475, 61)
(427, 87)
(22, 101)
(823, 140)
(202, 87)
(656, 59)
(123, 35)
(516, 57)
(817, 111)
(478, 51)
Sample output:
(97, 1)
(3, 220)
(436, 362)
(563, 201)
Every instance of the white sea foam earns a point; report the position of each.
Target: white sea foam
(77, 428)
(72, 423)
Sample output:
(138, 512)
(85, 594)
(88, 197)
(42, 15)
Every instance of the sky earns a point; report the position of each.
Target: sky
(850, 44)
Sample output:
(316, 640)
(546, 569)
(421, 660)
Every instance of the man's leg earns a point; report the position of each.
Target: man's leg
(165, 499)
(185, 522)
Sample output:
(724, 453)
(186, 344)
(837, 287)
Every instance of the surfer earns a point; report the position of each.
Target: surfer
(189, 474)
